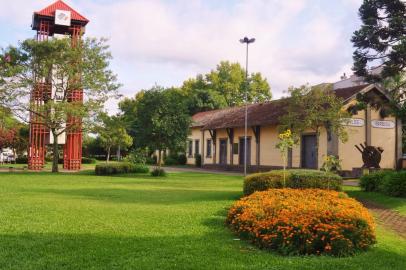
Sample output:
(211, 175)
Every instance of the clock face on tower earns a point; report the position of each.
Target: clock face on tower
(62, 17)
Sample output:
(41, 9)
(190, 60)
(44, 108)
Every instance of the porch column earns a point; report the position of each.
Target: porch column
(213, 135)
(257, 133)
(230, 133)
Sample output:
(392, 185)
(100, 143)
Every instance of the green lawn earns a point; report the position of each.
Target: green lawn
(398, 204)
(81, 221)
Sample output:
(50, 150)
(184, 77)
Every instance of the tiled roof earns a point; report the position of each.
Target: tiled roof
(49, 11)
(267, 113)
(346, 93)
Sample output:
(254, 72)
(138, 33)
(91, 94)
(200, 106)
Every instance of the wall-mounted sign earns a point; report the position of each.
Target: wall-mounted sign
(382, 124)
(354, 122)
(62, 17)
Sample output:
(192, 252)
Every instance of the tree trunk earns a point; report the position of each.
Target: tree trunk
(55, 152)
(159, 159)
(118, 153)
(108, 155)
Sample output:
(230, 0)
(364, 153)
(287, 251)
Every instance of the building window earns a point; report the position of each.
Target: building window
(197, 147)
(208, 150)
(190, 148)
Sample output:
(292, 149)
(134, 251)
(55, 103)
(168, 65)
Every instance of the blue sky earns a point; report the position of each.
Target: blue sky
(166, 42)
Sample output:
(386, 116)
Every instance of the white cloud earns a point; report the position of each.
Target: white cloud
(166, 42)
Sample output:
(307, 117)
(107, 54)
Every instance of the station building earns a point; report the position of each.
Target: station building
(218, 136)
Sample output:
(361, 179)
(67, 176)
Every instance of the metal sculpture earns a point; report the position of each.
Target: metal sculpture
(371, 155)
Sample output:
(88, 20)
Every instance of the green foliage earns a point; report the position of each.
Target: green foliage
(387, 182)
(158, 118)
(112, 133)
(182, 159)
(120, 168)
(381, 39)
(297, 179)
(331, 164)
(158, 172)
(198, 160)
(22, 160)
(175, 159)
(286, 142)
(86, 160)
(312, 108)
(137, 156)
(224, 87)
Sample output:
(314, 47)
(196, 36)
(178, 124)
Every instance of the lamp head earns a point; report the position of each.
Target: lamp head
(247, 40)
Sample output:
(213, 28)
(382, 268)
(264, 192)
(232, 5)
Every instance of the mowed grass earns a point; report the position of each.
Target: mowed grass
(394, 203)
(82, 221)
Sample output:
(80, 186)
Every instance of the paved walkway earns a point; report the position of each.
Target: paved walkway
(201, 170)
(387, 217)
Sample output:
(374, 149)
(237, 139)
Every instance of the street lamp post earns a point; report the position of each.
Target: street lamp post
(247, 41)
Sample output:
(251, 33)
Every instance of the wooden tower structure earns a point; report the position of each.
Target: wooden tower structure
(56, 20)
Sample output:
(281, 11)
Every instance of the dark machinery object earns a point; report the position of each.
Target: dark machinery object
(371, 155)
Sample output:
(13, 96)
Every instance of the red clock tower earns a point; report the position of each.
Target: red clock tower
(55, 21)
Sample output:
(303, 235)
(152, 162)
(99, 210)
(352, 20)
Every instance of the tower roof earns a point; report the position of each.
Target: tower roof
(49, 11)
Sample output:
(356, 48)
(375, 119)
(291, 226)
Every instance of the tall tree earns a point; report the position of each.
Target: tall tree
(112, 133)
(159, 119)
(224, 86)
(314, 108)
(381, 39)
(68, 68)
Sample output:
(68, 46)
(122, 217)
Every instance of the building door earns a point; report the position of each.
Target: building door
(223, 151)
(242, 151)
(309, 155)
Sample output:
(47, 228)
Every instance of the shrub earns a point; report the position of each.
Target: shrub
(22, 160)
(371, 182)
(137, 156)
(86, 160)
(171, 161)
(158, 172)
(182, 159)
(198, 160)
(299, 179)
(301, 222)
(387, 182)
(152, 160)
(119, 168)
(394, 184)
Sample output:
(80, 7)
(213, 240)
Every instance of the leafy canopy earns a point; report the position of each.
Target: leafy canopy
(381, 40)
(224, 87)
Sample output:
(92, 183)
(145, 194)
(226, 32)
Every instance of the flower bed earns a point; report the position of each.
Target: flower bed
(296, 222)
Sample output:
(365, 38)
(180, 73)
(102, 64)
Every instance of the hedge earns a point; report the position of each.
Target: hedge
(387, 182)
(298, 179)
(120, 168)
(86, 160)
(303, 222)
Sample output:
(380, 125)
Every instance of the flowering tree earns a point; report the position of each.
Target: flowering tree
(286, 142)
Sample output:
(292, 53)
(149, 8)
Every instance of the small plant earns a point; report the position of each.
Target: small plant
(286, 142)
(331, 164)
(158, 172)
(198, 160)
